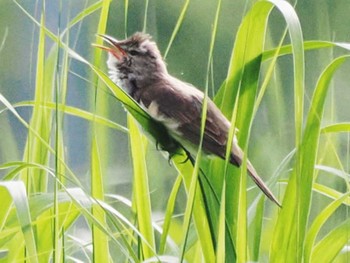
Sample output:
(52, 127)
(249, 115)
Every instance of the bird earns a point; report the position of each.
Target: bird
(136, 65)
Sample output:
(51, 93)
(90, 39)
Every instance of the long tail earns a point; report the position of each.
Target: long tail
(260, 183)
(236, 159)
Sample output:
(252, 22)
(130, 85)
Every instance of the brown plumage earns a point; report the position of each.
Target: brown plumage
(135, 64)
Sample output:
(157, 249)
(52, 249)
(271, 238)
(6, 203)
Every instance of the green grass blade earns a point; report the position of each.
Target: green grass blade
(177, 26)
(318, 222)
(5, 209)
(8, 148)
(144, 28)
(18, 194)
(239, 92)
(41, 121)
(2, 44)
(330, 246)
(220, 248)
(169, 213)
(245, 56)
(256, 230)
(199, 213)
(60, 99)
(59, 149)
(76, 112)
(191, 191)
(99, 102)
(212, 43)
(269, 74)
(308, 45)
(296, 37)
(283, 238)
(99, 240)
(126, 9)
(329, 192)
(83, 14)
(102, 24)
(338, 127)
(340, 173)
(141, 189)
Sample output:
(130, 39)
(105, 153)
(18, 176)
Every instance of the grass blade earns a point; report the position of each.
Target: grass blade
(338, 127)
(16, 190)
(177, 27)
(318, 223)
(99, 147)
(283, 238)
(330, 246)
(239, 92)
(83, 14)
(308, 45)
(168, 214)
(40, 122)
(221, 252)
(76, 112)
(199, 214)
(141, 189)
(99, 240)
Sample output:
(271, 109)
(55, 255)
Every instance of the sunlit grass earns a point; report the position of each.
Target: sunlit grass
(45, 205)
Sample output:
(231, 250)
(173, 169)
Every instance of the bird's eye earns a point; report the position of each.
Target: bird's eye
(134, 53)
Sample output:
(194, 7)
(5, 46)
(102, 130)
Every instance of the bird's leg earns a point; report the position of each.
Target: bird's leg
(174, 151)
(171, 147)
(188, 156)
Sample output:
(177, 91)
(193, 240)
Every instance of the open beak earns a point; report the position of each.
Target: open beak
(114, 48)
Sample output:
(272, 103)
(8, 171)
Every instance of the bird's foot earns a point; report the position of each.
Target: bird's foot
(188, 156)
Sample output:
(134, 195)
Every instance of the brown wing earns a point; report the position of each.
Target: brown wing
(180, 103)
(215, 133)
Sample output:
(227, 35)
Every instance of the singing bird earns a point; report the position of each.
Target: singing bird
(136, 65)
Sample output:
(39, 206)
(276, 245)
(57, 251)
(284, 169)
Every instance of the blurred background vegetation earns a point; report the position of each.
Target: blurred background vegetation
(273, 129)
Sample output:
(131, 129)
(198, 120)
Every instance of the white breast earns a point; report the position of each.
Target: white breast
(114, 73)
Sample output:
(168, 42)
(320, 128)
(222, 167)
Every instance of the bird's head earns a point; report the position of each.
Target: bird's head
(136, 57)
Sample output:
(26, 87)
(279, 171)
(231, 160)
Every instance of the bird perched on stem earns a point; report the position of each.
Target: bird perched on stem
(136, 65)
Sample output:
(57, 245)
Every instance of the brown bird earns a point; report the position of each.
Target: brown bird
(136, 65)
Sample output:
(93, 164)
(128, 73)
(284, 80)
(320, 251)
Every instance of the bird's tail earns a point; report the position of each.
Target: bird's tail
(260, 183)
(237, 157)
